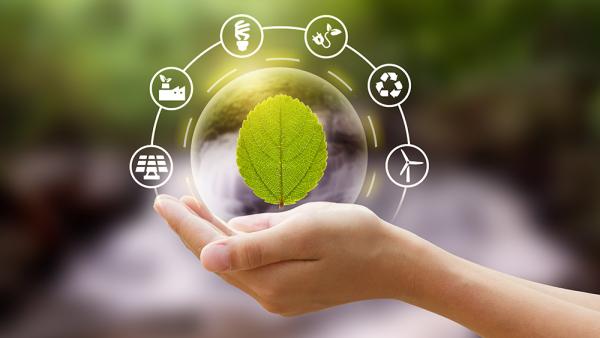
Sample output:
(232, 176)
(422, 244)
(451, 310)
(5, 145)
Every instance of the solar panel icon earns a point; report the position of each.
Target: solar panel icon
(151, 166)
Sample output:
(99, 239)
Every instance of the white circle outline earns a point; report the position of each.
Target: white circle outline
(135, 178)
(317, 54)
(387, 169)
(393, 66)
(188, 78)
(242, 56)
(361, 56)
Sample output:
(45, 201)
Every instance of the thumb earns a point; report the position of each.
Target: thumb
(252, 250)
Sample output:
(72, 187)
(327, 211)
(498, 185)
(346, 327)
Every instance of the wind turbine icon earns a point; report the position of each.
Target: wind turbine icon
(407, 164)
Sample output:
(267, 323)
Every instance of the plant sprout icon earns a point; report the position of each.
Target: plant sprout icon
(165, 81)
(323, 40)
(241, 34)
(407, 164)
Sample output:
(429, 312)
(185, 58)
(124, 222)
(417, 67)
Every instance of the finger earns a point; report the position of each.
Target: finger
(251, 250)
(194, 231)
(202, 211)
(257, 222)
(198, 207)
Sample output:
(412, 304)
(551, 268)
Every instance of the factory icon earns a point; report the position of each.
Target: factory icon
(166, 93)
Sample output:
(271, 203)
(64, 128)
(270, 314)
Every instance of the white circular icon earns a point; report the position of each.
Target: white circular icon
(389, 85)
(412, 164)
(151, 166)
(241, 36)
(171, 88)
(326, 36)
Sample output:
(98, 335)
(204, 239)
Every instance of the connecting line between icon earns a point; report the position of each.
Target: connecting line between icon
(405, 124)
(400, 204)
(361, 56)
(284, 27)
(154, 126)
(201, 55)
(218, 43)
(241, 30)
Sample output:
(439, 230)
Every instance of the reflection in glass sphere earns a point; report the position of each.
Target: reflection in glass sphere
(214, 167)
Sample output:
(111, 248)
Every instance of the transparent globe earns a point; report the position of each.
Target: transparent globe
(213, 150)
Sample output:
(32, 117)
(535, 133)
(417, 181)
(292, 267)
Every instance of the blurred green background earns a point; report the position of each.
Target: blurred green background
(510, 89)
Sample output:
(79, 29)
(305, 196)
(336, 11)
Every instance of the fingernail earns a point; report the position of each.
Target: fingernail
(187, 197)
(170, 208)
(157, 206)
(158, 201)
(216, 257)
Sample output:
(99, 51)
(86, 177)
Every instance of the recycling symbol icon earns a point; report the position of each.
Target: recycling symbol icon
(388, 77)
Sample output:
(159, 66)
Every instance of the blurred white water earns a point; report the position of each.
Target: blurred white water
(223, 190)
(141, 281)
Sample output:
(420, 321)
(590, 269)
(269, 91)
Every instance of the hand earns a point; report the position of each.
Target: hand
(322, 254)
(312, 257)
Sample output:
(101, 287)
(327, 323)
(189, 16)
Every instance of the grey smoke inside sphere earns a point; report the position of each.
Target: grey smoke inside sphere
(215, 172)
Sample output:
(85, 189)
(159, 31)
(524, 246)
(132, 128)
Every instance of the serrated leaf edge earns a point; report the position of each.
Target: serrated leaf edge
(321, 172)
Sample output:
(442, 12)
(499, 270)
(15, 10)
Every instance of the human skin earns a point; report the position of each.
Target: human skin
(320, 255)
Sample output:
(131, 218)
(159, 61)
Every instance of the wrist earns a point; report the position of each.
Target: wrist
(413, 267)
(427, 276)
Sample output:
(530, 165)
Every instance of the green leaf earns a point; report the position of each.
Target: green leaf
(281, 150)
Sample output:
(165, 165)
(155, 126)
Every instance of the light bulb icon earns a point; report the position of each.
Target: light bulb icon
(241, 34)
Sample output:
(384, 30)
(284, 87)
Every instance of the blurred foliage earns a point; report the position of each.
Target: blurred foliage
(505, 82)
(82, 66)
(507, 86)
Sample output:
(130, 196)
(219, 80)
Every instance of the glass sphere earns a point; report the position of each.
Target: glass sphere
(213, 150)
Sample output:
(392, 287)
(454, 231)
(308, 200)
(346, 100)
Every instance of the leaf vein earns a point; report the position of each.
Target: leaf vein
(257, 174)
(305, 173)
